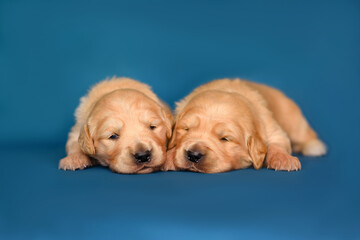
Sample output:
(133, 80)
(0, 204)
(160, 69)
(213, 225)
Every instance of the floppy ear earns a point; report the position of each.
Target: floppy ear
(85, 140)
(257, 150)
(168, 118)
(172, 142)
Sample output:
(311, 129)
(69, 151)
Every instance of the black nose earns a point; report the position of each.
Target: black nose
(194, 156)
(143, 157)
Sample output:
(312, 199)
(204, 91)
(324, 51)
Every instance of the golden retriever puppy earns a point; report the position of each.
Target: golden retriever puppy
(233, 124)
(121, 124)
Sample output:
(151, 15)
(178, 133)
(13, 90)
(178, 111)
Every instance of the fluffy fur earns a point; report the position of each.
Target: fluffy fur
(117, 121)
(233, 124)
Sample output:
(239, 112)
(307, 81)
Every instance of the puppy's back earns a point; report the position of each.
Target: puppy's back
(226, 85)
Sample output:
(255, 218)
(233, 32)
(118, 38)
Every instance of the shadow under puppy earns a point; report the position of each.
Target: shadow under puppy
(233, 124)
(121, 124)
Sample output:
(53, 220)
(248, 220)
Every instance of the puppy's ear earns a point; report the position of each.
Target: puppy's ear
(257, 150)
(85, 140)
(168, 118)
(172, 142)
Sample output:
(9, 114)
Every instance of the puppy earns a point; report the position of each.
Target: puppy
(233, 124)
(120, 124)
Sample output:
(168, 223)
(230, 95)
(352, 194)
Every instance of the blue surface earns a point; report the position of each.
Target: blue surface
(51, 52)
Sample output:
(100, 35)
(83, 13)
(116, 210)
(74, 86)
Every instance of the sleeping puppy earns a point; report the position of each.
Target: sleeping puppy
(233, 124)
(120, 124)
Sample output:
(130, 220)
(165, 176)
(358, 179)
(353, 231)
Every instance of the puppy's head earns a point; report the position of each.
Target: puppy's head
(128, 132)
(216, 132)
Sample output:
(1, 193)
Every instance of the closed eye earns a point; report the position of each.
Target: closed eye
(114, 136)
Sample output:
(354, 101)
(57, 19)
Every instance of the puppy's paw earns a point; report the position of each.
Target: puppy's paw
(314, 148)
(280, 160)
(75, 161)
(169, 163)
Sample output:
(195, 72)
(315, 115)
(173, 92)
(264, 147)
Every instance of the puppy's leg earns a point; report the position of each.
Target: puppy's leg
(278, 154)
(75, 159)
(286, 112)
(303, 138)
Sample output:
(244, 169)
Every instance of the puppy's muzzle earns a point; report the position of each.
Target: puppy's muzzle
(194, 156)
(142, 156)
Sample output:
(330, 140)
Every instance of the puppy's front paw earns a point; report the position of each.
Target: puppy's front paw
(280, 160)
(169, 163)
(75, 161)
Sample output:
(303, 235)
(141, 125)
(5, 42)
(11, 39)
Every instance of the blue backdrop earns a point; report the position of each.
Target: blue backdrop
(51, 52)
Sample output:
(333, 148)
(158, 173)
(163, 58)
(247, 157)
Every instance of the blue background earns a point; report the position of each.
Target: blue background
(51, 52)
